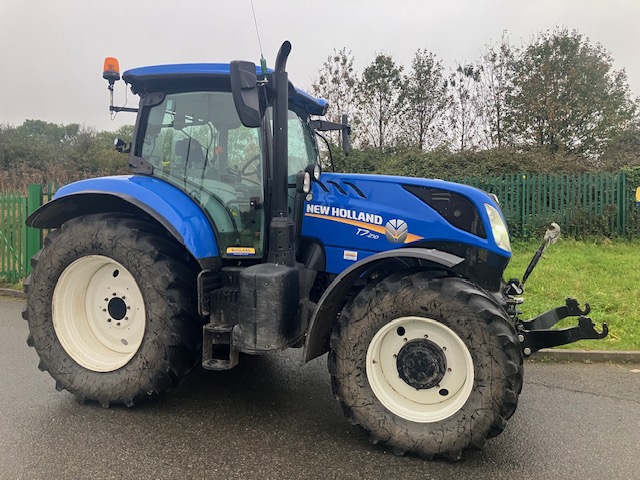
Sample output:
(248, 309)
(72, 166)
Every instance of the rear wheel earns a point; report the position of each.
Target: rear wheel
(426, 363)
(111, 310)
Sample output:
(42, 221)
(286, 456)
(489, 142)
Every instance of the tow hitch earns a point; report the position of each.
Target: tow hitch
(536, 334)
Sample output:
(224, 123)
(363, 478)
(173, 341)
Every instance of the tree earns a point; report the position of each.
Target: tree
(336, 83)
(378, 94)
(423, 99)
(494, 83)
(565, 95)
(463, 113)
(125, 132)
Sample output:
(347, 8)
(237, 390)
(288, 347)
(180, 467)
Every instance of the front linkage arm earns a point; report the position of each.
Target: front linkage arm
(536, 333)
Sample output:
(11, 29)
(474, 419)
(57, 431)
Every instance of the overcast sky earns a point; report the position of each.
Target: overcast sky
(53, 50)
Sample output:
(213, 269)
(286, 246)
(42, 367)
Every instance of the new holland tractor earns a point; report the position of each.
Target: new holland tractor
(227, 239)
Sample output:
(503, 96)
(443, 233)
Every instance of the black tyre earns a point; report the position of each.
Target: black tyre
(112, 311)
(426, 363)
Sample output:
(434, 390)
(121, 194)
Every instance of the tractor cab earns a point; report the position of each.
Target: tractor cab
(189, 134)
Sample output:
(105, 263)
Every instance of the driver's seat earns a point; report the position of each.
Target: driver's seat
(190, 151)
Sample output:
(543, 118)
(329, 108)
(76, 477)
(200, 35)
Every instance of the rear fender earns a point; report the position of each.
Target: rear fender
(170, 207)
(330, 304)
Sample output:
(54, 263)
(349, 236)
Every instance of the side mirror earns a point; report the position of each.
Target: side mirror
(244, 87)
(121, 146)
(343, 127)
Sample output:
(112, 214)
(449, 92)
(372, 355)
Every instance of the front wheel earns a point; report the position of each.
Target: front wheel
(111, 309)
(426, 363)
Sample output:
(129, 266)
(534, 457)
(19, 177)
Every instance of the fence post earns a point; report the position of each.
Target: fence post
(523, 204)
(622, 204)
(34, 235)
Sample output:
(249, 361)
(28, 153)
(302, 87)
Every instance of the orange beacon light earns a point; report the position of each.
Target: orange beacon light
(111, 70)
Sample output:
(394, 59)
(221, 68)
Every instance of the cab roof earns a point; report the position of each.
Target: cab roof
(161, 77)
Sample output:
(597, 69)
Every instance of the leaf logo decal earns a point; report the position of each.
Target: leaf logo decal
(396, 230)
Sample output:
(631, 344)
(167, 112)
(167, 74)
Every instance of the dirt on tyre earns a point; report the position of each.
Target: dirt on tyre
(111, 309)
(426, 363)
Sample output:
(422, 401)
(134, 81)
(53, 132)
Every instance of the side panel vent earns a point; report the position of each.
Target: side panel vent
(456, 209)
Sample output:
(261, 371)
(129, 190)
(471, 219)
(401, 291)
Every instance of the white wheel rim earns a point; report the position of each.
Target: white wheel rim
(98, 313)
(424, 405)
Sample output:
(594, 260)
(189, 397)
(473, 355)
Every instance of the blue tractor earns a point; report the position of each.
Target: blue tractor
(227, 239)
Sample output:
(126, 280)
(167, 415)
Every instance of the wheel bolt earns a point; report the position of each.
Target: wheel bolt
(444, 348)
(109, 320)
(114, 294)
(126, 318)
(448, 370)
(118, 324)
(104, 309)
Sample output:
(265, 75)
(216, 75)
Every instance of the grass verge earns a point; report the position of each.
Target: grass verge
(13, 286)
(603, 273)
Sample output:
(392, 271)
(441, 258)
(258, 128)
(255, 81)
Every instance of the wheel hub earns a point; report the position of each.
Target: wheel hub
(419, 369)
(117, 308)
(421, 364)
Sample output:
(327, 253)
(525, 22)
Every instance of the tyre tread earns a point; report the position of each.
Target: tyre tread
(169, 284)
(398, 289)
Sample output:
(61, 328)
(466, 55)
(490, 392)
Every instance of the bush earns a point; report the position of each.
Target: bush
(41, 152)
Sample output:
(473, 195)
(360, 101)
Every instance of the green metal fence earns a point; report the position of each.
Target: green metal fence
(13, 234)
(18, 243)
(584, 205)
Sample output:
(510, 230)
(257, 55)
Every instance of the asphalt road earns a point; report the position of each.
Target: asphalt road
(270, 418)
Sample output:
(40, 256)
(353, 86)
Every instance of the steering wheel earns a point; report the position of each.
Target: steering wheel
(244, 170)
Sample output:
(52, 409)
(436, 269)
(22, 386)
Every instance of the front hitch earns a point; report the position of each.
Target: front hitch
(536, 334)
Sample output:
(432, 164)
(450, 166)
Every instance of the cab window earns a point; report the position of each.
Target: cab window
(195, 141)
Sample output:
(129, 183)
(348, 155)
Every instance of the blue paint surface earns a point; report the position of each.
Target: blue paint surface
(168, 202)
(351, 227)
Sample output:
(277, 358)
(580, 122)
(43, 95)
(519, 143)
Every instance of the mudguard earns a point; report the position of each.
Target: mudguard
(330, 303)
(169, 206)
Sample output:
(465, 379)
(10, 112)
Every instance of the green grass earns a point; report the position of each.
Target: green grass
(603, 273)
(7, 284)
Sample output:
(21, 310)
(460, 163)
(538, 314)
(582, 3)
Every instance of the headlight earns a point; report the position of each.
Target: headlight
(314, 171)
(303, 182)
(498, 228)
